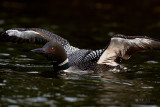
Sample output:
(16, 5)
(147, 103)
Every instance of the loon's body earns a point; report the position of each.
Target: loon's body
(86, 59)
(63, 55)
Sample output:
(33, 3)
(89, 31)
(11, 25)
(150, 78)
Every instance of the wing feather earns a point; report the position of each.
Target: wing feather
(124, 46)
(33, 35)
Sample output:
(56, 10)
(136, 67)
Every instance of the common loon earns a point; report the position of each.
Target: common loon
(63, 55)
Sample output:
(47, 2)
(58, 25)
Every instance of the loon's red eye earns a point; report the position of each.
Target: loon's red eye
(52, 49)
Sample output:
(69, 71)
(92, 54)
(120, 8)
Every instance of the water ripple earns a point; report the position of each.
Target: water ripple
(29, 65)
(2, 84)
(147, 87)
(10, 49)
(33, 72)
(71, 99)
(152, 62)
(4, 54)
(24, 59)
(36, 99)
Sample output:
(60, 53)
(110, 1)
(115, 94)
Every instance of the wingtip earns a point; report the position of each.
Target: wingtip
(133, 37)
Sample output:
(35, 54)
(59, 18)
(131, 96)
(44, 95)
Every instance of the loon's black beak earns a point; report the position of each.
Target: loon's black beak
(38, 50)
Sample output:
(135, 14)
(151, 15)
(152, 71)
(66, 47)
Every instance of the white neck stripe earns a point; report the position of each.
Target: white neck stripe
(66, 61)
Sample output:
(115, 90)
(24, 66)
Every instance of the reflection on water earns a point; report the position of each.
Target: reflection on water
(77, 89)
(23, 82)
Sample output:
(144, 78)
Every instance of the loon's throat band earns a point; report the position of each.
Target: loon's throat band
(64, 62)
(62, 66)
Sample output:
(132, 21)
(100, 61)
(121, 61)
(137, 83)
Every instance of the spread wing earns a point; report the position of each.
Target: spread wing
(124, 46)
(33, 35)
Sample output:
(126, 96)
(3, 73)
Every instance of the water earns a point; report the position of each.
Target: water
(26, 78)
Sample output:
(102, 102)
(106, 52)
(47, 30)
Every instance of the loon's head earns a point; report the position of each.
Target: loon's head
(55, 53)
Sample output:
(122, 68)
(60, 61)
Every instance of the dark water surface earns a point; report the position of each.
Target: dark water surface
(86, 24)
